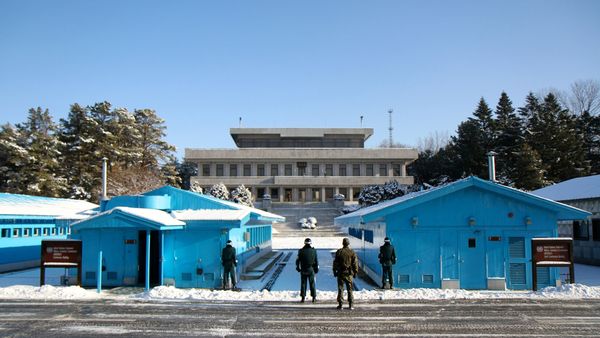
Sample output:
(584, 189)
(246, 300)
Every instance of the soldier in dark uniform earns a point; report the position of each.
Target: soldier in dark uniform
(308, 265)
(387, 258)
(345, 267)
(229, 261)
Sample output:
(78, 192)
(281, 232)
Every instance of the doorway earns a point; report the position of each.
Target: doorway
(154, 257)
(472, 260)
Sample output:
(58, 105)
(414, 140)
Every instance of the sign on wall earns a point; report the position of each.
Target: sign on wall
(60, 254)
(552, 252)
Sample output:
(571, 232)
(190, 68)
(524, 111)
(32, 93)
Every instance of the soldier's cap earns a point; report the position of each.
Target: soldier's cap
(228, 241)
(345, 242)
(307, 241)
(387, 239)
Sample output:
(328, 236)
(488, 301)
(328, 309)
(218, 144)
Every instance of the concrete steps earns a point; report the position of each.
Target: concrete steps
(261, 266)
(293, 212)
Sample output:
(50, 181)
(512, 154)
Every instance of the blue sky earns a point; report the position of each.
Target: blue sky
(201, 65)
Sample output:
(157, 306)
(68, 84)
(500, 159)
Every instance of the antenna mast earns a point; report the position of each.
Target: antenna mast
(240, 122)
(361, 120)
(391, 128)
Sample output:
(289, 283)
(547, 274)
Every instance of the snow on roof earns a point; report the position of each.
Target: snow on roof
(253, 210)
(573, 189)
(210, 215)
(14, 204)
(152, 215)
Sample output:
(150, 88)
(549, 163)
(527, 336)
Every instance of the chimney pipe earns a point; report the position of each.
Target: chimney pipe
(104, 192)
(492, 166)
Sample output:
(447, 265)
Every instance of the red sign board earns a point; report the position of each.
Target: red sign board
(553, 252)
(61, 252)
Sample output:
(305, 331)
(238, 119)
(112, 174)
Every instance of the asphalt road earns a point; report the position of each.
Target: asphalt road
(465, 318)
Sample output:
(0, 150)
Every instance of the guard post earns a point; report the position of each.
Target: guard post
(60, 254)
(551, 252)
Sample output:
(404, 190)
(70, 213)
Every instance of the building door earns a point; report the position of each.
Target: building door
(302, 195)
(154, 258)
(472, 268)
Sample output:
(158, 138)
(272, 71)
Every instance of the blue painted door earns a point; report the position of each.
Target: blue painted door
(472, 260)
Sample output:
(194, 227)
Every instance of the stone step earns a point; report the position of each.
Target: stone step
(261, 266)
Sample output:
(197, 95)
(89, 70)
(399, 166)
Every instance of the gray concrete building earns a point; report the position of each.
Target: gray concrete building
(301, 164)
(582, 193)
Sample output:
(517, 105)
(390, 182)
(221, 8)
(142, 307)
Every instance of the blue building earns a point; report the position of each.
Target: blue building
(169, 236)
(470, 234)
(26, 220)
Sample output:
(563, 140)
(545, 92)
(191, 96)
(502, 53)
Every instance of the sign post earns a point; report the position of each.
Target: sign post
(60, 254)
(552, 252)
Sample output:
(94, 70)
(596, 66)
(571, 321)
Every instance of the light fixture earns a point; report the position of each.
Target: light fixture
(528, 220)
(471, 221)
(414, 221)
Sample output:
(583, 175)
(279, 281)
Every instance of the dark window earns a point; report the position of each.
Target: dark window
(233, 170)
(260, 192)
(397, 168)
(328, 194)
(369, 169)
(344, 192)
(247, 170)
(315, 170)
(260, 170)
(383, 170)
(329, 170)
(274, 193)
(356, 169)
(5, 232)
(580, 230)
(596, 229)
(342, 170)
(356, 193)
(220, 170)
(206, 170)
(472, 243)
(288, 170)
(274, 170)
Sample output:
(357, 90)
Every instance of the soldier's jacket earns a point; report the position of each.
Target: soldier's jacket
(307, 261)
(228, 256)
(387, 255)
(345, 262)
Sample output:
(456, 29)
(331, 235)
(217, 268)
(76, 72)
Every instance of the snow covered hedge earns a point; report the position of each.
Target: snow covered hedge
(373, 194)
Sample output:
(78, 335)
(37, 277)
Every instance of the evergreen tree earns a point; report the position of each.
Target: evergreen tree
(220, 191)
(14, 158)
(154, 150)
(185, 171)
(241, 195)
(507, 139)
(469, 147)
(528, 169)
(589, 127)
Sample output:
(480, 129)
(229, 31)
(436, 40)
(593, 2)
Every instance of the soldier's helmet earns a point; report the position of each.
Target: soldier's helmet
(307, 241)
(387, 239)
(345, 242)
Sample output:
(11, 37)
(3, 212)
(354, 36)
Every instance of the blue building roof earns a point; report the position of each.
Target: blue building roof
(574, 189)
(368, 214)
(25, 205)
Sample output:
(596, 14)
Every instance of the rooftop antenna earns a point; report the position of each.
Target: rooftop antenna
(391, 128)
(240, 122)
(361, 120)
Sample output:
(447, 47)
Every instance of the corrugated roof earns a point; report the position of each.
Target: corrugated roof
(573, 189)
(210, 215)
(15, 204)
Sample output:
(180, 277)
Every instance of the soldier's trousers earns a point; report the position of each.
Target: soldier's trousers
(341, 280)
(228, 271)
(387, 274)
(310, 276)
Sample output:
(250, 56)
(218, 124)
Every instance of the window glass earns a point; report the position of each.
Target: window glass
(596, 229)
(247, 169)
(342, 170)
(369, 170)
(220, 170)
(383, 170)
(356, 169)
(16, 232)
(397, 169)
(260, 170)
(274, 171)
(206, 170)
(233, 170)
(580, 230)
(5, 232)
(329, 170)
(288, 170)
(315, 170)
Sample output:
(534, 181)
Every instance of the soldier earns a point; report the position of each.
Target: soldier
(387, 258)
(345, 267)
(308, 265)
(229, 261)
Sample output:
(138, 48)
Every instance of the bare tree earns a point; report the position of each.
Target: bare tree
(584, 96)
(434, 141)
(386, 144)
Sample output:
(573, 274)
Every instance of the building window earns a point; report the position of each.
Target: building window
(344, 192)
(328, 194)
(26, 232)
(274, 193)
(5, 232)
(16, 232)
(356, 193)
(596, 229)
(356, 169)
(383, 170)
(342, 170)
(36, 231)
(397, 169)
(53, 232)
(580, 230)
(232, 170)
(260, 192)
(220, 170)
(287, 170)
(260, 170)
(329, 170)
(206, 170)
(45, 232)
(315, 170)
(369, 169)
(274, 170)
(247, 170)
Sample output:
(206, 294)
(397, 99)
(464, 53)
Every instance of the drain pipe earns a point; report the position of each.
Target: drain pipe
(104, 192)
(492, 166)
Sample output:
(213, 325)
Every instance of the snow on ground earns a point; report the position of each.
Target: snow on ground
(298, 242)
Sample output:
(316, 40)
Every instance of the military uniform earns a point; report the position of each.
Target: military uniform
(387, 258)
(308, 265)
(345, 267)
(229, 261)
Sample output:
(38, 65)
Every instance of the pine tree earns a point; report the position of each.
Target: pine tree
(14, 158)
(154, 150)
(469, 147)
(220, 191)
(589, 127)
(507, 139)
(528, 169)
(241, 195)
(195, 187)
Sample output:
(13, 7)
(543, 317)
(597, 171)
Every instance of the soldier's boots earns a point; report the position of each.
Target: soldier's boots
(350, 307)
(339, 307)
(302, 300)
(314, 299)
